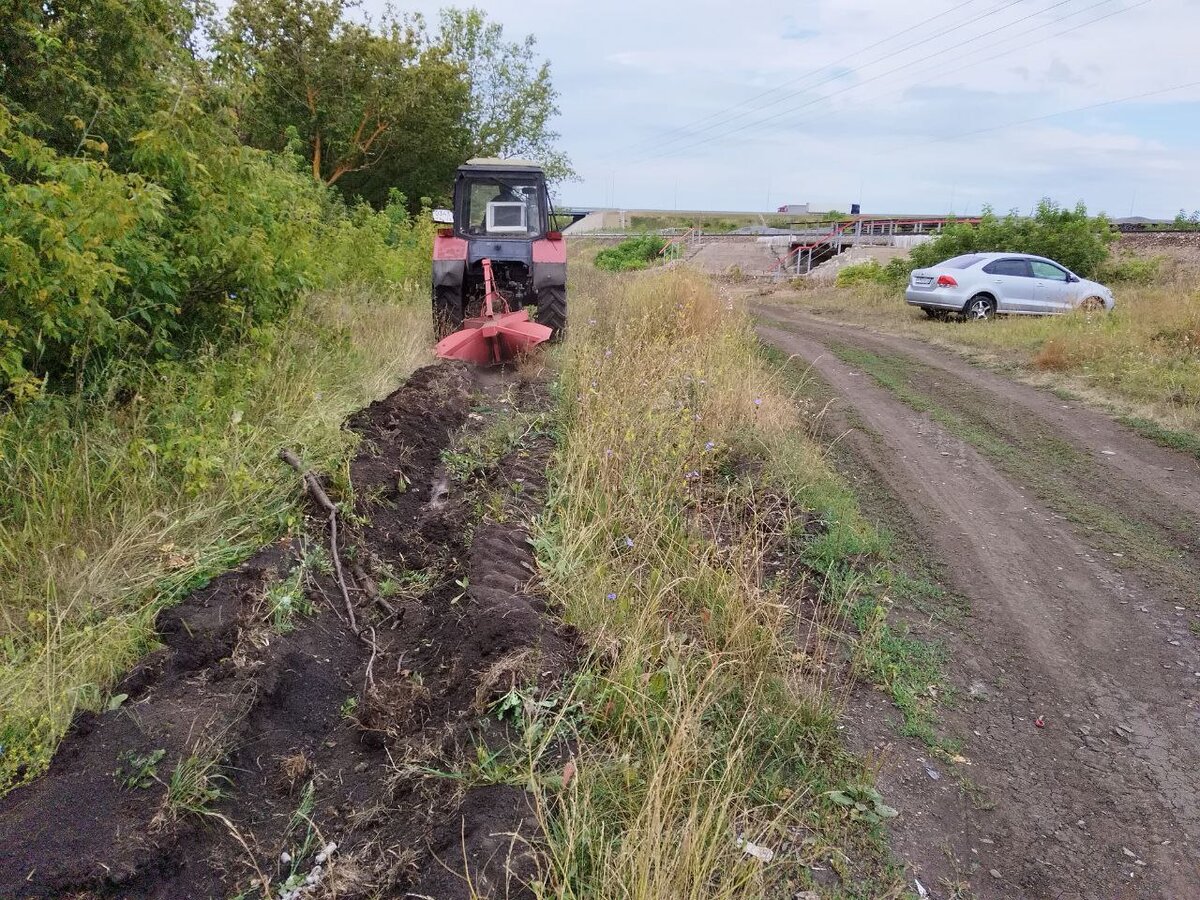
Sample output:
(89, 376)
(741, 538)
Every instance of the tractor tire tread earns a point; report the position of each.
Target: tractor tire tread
(552, 309)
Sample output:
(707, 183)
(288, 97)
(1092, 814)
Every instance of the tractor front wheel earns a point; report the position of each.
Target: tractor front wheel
(552, 309)
(447, 311)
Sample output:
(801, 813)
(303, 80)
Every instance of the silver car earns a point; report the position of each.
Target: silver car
(980, 285)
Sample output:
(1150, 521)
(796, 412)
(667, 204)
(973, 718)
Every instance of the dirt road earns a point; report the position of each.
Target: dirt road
(1076, 670)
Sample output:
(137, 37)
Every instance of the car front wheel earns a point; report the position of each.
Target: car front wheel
(979, 308)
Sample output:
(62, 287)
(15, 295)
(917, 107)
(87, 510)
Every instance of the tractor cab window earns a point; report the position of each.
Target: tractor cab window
(504, 206)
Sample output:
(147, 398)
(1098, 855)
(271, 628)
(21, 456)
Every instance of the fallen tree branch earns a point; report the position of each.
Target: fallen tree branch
(367, 586)
(313, 486)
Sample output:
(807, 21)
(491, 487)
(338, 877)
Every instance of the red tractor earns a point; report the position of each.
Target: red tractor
(498, 250)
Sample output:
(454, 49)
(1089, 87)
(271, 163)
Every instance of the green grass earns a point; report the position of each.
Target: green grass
(286, 602)
(1183, 441)
(114, 507)
(196, 784)
(684, 472)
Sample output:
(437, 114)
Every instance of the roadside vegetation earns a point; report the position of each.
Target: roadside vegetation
(1143, 359)
(1070, 236)
(731, 594)
(639, 252)
(196, 269)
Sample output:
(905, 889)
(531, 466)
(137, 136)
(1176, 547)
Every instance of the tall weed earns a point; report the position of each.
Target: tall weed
(113, 506)
(685, 470)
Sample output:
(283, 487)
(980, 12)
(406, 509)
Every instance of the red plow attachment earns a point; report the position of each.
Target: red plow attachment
(494, 337)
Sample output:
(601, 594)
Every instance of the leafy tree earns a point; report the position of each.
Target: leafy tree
(512, 99)
(362, 98)
(85, 74)
(1184, 221)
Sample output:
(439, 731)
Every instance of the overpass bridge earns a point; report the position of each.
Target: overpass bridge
(762, 251)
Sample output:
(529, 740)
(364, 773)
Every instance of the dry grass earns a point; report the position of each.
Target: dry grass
(704, 716)
(1143, 359)
(112, 509)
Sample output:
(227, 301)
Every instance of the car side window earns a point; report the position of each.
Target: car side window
(1017, 267)
(1047, 270)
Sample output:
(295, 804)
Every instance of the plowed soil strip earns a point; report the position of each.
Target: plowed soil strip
(265, 743)
(1080, 664)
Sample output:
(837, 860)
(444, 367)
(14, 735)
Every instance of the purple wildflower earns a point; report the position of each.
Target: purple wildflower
(758, 401)
(612, 596)
(629, 542)
(710, 446)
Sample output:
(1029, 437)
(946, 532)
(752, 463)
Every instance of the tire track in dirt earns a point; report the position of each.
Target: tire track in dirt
(321, 737)
(1054, 630)
(1155, 470)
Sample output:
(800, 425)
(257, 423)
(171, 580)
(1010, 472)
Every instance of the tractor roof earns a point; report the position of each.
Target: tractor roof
(485, 162)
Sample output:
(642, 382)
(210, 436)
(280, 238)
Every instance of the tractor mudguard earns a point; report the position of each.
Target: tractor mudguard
(449, 262)
(549, 275)
(549, 263)
(448, 273)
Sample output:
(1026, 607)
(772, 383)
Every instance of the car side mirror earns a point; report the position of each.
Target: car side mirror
(443, 217)
(1072, 278)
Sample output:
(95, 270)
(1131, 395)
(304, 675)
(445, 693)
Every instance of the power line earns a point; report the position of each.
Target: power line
(980, 60)
(674, 151)
(689, 125)
(1054, 115)
(1002, 7)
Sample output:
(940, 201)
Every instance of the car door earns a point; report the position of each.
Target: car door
(1011, 280)
(1052, 292)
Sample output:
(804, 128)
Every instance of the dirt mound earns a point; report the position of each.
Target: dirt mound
(1183, 246)
(266, 743)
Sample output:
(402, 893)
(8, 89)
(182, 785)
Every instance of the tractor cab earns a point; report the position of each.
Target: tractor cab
(501, 214)
(508, 203)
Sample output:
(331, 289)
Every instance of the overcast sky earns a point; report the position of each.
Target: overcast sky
(750, 105)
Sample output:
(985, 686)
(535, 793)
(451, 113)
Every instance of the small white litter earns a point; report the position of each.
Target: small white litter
(766, 854)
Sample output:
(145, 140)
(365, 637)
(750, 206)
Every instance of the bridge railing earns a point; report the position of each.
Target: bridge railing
(853, 230)
(688, 239)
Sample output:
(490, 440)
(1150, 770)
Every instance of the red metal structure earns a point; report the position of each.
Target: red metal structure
(494, 336)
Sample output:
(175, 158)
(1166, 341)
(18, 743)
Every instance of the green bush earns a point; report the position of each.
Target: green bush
(633, 253)
(868, 272)
(204, 240)
(1069, 236)
(1130, 270)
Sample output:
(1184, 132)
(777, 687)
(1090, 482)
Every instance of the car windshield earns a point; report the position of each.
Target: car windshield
(503, 206)
(960, 262)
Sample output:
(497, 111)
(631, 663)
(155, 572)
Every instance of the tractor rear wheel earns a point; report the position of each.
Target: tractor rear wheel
(552, 309)
(447, 311)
